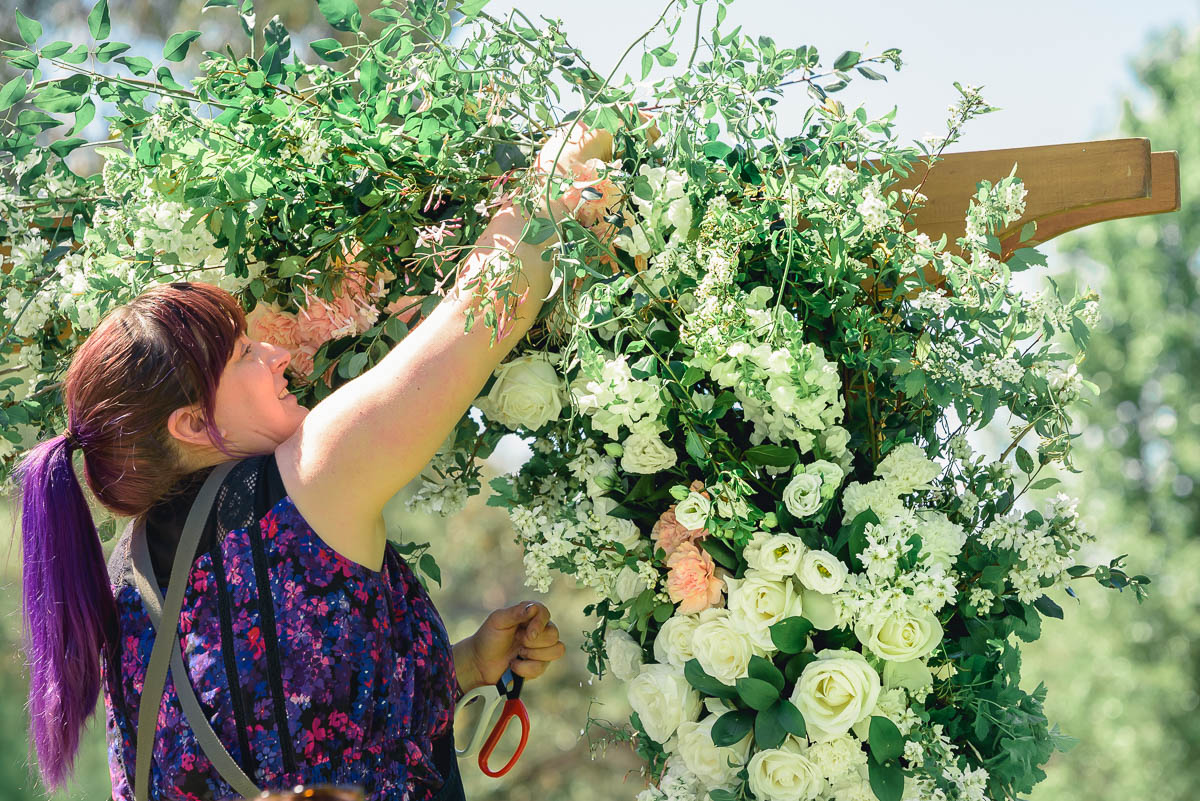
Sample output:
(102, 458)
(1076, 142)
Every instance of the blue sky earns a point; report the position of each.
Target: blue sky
(1057, 68)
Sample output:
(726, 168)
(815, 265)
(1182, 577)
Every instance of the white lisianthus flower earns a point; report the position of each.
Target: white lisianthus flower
(906, 469)
(712, 765)
(822, 572)
(723, 649)
(662, 699)
(901, 636)
(834, 441)
(628, 584)
(692, 511)
(802, 495)
(785, 774)
(624, 653)
(835, 691)
(821, 610)
(758, 602)
(777, 555)
(831, 476)
(646, 453)
(673, 645)
(527, 392)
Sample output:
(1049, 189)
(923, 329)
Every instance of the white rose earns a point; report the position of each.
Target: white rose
(722, 649)
(692, 511)
(835, 691)
(821, 610)
(527, 392)
(777, 555)
(901, 636)
(624, 653)
(646, 453)
(822, 571)
(662, 699)
(628, 584)
(785, 774)
(912, 675)
(759, 601)
(802, 495)
(710, 763)
(673, 645)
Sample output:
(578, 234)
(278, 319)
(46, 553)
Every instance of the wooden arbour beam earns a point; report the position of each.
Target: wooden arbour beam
(1069, 186)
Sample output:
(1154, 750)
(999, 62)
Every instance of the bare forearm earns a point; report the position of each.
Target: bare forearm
(465, 667)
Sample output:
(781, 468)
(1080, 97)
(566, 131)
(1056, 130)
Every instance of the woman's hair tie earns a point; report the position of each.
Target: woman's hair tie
(73, 441)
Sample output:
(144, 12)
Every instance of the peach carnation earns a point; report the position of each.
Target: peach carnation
(668, 534)
(691, 581)
(586, 207)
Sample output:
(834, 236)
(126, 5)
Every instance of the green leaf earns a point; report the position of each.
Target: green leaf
(885, 739)
(328, 49)
(110, 50)
(30, 29)
(219, 4)
(768, 731)
(98, 22)
(1024, 460)
(706, 683)
(756, 693)
(887, 781)
(731, 727)
(791, 635)
(429, 566)
(772, 455)
(12, 93)
(368, 76)
(22, 59)
(1048, 607)
(55, 49)
(471, 8)
(256, 79)
(790, 718)
(137, 65)
(719, 794)
(847, 60)
(796, 665)
(76, 56)
(62, 147)
(537, 230)
(178, 44)
(343, 15)
(763, 669)
(694, 446)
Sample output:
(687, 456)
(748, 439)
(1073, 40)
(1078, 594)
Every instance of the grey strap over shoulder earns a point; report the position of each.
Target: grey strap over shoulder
(164, 616)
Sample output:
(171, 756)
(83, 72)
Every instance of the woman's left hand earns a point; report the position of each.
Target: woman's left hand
(521, 637)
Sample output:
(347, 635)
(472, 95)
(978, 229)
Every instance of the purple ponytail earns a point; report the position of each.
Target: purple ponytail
(68, 605)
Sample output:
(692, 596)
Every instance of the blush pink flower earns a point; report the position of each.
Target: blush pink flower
(268, 323)
(691, 582)
(668, 534)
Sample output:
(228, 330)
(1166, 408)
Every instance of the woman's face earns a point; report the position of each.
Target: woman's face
(254, 411)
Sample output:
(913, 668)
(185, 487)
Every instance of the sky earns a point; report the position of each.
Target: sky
(1056, 68)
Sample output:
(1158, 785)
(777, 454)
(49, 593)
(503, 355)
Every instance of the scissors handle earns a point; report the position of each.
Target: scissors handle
(513, 708)
(488, 700)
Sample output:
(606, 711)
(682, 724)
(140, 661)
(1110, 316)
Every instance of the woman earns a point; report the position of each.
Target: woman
(315, 655)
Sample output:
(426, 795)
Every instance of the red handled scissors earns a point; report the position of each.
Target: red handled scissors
(487, 725)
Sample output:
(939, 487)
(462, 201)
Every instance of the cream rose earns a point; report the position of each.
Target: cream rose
(692, 511)
(673, 645)
(722, 649)
(776, 555)
(628, 584)
(527, 392)
(913, 675)
(759, 601)
(624, 654)
(662, 699)
(646, 453)
(822, 571)
(821, 610)
(835, 691)
(802, 495)
(710, 763)
(785, 774)
(901, 637)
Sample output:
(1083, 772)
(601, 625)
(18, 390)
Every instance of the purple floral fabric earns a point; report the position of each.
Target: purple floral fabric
(362, 684)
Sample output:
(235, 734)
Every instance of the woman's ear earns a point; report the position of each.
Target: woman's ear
(187, 424)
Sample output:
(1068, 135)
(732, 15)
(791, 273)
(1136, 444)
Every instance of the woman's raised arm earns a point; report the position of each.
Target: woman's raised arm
(374, 434)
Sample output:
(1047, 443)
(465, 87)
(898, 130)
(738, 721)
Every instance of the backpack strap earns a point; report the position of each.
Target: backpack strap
(165, 655)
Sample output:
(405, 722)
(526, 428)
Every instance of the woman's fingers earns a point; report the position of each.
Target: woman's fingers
(547, 653)
(545, 634)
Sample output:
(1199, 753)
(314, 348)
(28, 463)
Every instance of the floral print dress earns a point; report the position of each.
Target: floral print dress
(311, 668)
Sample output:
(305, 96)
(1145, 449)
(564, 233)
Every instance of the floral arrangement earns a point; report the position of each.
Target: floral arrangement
(748, 403)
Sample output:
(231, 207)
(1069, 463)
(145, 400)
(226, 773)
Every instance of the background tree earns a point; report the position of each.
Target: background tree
(1134, 707)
